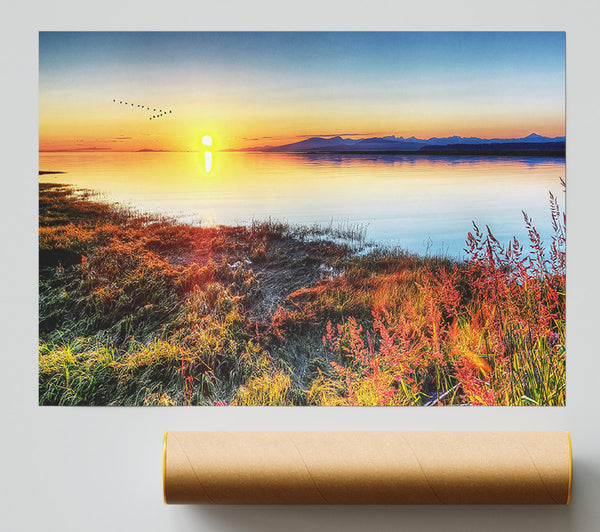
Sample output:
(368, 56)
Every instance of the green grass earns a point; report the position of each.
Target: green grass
(142, 310)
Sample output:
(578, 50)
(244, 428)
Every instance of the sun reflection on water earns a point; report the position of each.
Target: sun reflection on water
(404, 200)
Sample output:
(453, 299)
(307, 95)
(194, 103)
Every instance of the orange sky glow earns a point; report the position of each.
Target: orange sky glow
(486, 85)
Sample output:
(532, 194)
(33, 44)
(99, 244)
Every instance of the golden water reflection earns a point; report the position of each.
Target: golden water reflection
(420, 203)
(208, 161)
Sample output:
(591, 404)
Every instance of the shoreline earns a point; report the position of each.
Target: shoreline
(433, 153)
(158, 312)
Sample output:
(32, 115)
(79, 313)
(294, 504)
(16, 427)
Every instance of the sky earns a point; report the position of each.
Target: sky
(265, 88)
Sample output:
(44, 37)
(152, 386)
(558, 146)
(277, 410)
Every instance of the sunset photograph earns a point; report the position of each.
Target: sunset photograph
(302, 219)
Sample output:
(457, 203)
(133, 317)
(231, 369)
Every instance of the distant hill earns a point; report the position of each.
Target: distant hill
(556, 149)
(533, 144)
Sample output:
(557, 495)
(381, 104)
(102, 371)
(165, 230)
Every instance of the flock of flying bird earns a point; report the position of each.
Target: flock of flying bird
(160, 113)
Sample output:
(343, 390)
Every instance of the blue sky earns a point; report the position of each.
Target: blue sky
(285, 84)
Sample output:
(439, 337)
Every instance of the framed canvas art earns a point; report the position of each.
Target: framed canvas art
(302, 218)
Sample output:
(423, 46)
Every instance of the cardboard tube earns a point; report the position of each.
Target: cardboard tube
(367, 467)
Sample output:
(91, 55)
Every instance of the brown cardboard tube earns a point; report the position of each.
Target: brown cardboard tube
(367, 467)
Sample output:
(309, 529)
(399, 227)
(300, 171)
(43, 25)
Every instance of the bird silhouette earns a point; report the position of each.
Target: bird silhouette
(161, 112)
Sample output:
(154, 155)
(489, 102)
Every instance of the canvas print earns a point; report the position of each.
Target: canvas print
(302, 218)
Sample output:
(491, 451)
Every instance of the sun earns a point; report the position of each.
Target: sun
(207, 140)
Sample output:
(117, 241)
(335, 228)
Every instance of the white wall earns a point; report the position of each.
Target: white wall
(88, 469)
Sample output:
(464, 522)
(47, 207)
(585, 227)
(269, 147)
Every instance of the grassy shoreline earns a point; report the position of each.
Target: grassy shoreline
(141, 310)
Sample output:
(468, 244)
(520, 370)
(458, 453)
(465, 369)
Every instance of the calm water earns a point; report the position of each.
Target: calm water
(423, 204)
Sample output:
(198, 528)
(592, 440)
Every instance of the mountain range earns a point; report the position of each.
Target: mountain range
(533, 143)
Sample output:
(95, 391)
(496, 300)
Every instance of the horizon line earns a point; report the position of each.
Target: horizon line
(302, 137)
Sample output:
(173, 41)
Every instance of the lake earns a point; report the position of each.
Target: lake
(425, 204)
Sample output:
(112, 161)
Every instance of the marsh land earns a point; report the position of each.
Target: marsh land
(139, 309)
